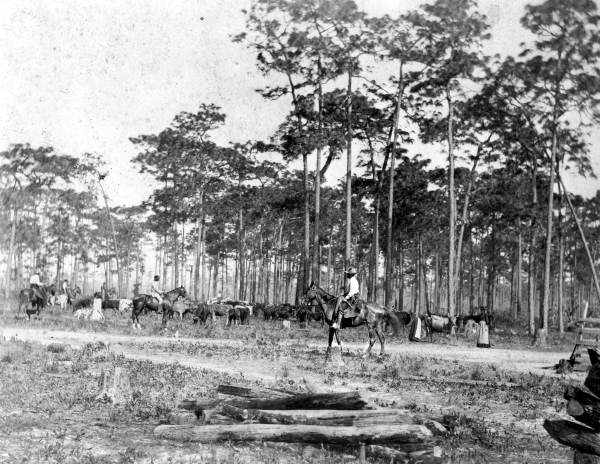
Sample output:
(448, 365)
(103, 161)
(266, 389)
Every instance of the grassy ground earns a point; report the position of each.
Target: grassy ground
(49, 411)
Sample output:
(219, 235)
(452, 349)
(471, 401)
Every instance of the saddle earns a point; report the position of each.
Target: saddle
(352, 308)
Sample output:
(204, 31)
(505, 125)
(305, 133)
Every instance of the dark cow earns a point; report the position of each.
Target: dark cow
(484, 315)
(201, 313)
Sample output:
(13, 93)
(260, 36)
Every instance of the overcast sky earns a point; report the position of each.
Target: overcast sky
(87, 75)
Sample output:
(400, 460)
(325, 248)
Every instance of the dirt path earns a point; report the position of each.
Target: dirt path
(516, 360)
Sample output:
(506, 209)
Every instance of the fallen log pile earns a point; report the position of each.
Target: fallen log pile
(243, 414)
(583, 404)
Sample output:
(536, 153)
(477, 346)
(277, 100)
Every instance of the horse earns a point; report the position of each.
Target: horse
(149, 303)
(372, 315)
(31, 301)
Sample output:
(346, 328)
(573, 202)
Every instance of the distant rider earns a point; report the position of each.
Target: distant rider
(349, 297)
(36, 286)
(156, 291)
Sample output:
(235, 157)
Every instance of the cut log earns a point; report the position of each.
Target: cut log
(593, 380)
(344, 400)
(380, 434)
(576, 436)
(334, 417)
(584, 406)
(245, 392)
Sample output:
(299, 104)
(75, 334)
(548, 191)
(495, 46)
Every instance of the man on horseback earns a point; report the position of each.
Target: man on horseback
(36, 286)
(157, 292)
(349, 297)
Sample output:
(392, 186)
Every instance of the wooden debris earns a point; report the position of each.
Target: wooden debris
(593, 380)
(576, 436)
(584, 406)
(381, 434)
(344, 400)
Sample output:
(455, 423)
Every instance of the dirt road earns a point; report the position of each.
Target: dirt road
(517, 360)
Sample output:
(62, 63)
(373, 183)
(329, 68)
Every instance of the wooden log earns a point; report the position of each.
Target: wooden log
(592, 381)
(589, 320)
(344, 400)
(569, 433)
(584, 406)
(334, 417)
(245, 392)
(381, 434)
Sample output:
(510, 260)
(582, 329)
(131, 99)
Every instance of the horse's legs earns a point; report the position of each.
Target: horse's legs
(368, 348)
(332, 332)
(337, 338)
(381, 335)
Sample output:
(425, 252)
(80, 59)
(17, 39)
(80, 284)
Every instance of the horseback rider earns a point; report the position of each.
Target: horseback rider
(349, 297)
(156, 291)
(36, 286)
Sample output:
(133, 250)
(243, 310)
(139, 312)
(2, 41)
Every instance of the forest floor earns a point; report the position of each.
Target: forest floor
(49, 412)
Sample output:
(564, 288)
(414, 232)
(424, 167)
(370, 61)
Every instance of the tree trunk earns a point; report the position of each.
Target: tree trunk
(11, 252)
(519, 290)
(531, 272)
(389, 258)
(452, 210)
(348, 247)
(316, 273)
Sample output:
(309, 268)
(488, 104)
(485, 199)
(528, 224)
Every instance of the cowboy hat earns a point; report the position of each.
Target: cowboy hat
(351, 270)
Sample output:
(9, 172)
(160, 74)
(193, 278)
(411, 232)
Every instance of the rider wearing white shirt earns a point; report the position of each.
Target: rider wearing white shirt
(36, 286)
(350, 294)
(156, 290)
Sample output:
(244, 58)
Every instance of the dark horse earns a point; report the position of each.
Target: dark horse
(29, 299)
(372, 315)
(149, 303)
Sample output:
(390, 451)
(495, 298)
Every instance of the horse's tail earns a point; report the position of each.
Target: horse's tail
(393, 319)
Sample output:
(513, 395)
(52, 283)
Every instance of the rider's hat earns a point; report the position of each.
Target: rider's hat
(350, 271)
(156, 278)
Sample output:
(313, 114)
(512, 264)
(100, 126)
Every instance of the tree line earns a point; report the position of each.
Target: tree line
(493, 226)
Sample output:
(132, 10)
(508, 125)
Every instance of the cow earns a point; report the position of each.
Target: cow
(435, 323)
(484, 315)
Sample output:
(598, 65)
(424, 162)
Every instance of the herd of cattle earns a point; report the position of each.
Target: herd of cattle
(235, 312)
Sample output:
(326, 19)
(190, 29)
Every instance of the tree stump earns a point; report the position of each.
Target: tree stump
(540, 338)
(333, 357)
(119, 390)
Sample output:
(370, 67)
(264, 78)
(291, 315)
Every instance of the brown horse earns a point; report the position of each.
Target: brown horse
(149, 303)
(372, 315)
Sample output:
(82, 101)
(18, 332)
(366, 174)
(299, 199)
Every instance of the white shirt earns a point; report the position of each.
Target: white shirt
(34, 280)
(352, 286)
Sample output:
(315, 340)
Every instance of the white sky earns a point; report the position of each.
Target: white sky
(87, 75)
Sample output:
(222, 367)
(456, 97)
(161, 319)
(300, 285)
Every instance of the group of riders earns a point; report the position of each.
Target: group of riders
(39, 290)
(345, 302)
